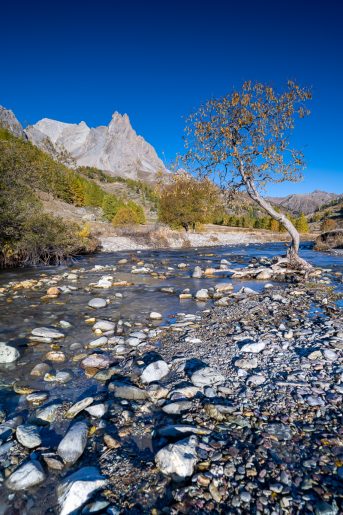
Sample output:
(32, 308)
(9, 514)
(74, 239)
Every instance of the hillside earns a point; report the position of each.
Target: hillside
(30, 180)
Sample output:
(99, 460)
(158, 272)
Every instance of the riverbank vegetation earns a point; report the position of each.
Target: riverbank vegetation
(27, 234)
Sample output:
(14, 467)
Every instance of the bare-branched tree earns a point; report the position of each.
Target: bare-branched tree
(242, 142)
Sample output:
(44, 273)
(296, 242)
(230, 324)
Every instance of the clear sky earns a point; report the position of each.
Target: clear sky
(157, 60)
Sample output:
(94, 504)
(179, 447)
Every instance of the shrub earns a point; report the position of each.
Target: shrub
(125, 216)
(110, 206)
(328, 225)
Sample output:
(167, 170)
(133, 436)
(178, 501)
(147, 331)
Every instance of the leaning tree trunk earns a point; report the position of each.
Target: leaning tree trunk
(293, 250)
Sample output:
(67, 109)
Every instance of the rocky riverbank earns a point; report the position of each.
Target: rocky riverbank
(236, 408)
(159, 236)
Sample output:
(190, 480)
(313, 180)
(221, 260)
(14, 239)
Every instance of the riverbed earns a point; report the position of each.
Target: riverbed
(141, 283)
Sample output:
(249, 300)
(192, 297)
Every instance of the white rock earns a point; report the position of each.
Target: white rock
(246, 364)
(46, 332)
(28, 436)
(207, 376)
(256, 379)
(197, 273)
(202, 295)
(330, 355)
(74, 442)
(99, 342)
(255, 348)
(76, 408)
(155, 316)
(97, 303)
(26, 476)
(104, 325)
(48, 413)
(8, 354)
(155, 371)
(105, 282)
(178, 459)
(97, 410)
(77, 488)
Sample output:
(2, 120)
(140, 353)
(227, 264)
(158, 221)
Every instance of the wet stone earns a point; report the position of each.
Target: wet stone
(26, 476)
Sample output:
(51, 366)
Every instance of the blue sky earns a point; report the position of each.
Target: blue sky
(157, 60)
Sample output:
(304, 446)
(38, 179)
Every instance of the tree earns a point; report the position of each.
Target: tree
(186, 201)
(242, 141)
(110, 206)
(301, 224)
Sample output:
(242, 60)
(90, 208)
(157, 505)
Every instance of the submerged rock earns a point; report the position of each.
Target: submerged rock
(8, 354)
(46, 332)
(129, 392)
(97, 303)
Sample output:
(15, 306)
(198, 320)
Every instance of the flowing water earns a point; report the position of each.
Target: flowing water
(23, 310)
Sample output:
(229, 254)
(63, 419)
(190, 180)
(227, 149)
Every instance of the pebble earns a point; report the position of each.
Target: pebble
(179, 459)
(28, 436)
(8, 354)
(207, 376)
(73, 444)
(77, 488)
(26, 476)
(202, 295)
(154, 315)
(155, 371)
(76, 408)
(97, 303)
(96, 361)
(254, 348)
(246, 364)
(46, 332)
(104, 325)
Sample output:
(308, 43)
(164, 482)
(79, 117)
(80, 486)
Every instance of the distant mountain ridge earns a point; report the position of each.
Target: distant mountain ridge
(115, 148)
(305, 203)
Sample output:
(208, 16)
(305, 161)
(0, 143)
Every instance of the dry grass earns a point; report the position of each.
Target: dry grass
(154, 236)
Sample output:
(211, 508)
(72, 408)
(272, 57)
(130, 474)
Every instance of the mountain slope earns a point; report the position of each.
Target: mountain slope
(115, 148)
(9, 122)
(304, 203)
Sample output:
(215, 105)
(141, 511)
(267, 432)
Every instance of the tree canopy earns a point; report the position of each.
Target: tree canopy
(186, 201)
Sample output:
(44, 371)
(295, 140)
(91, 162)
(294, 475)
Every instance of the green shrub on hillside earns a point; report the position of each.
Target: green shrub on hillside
(125, 216)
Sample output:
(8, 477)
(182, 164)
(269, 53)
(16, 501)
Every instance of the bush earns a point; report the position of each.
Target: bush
(328, 225)
(187, 202)
(126, 216)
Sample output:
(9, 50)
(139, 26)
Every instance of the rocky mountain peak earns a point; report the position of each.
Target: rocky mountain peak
(115, 148)
(9, 121)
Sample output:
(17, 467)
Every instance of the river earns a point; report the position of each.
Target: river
(22, 310)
